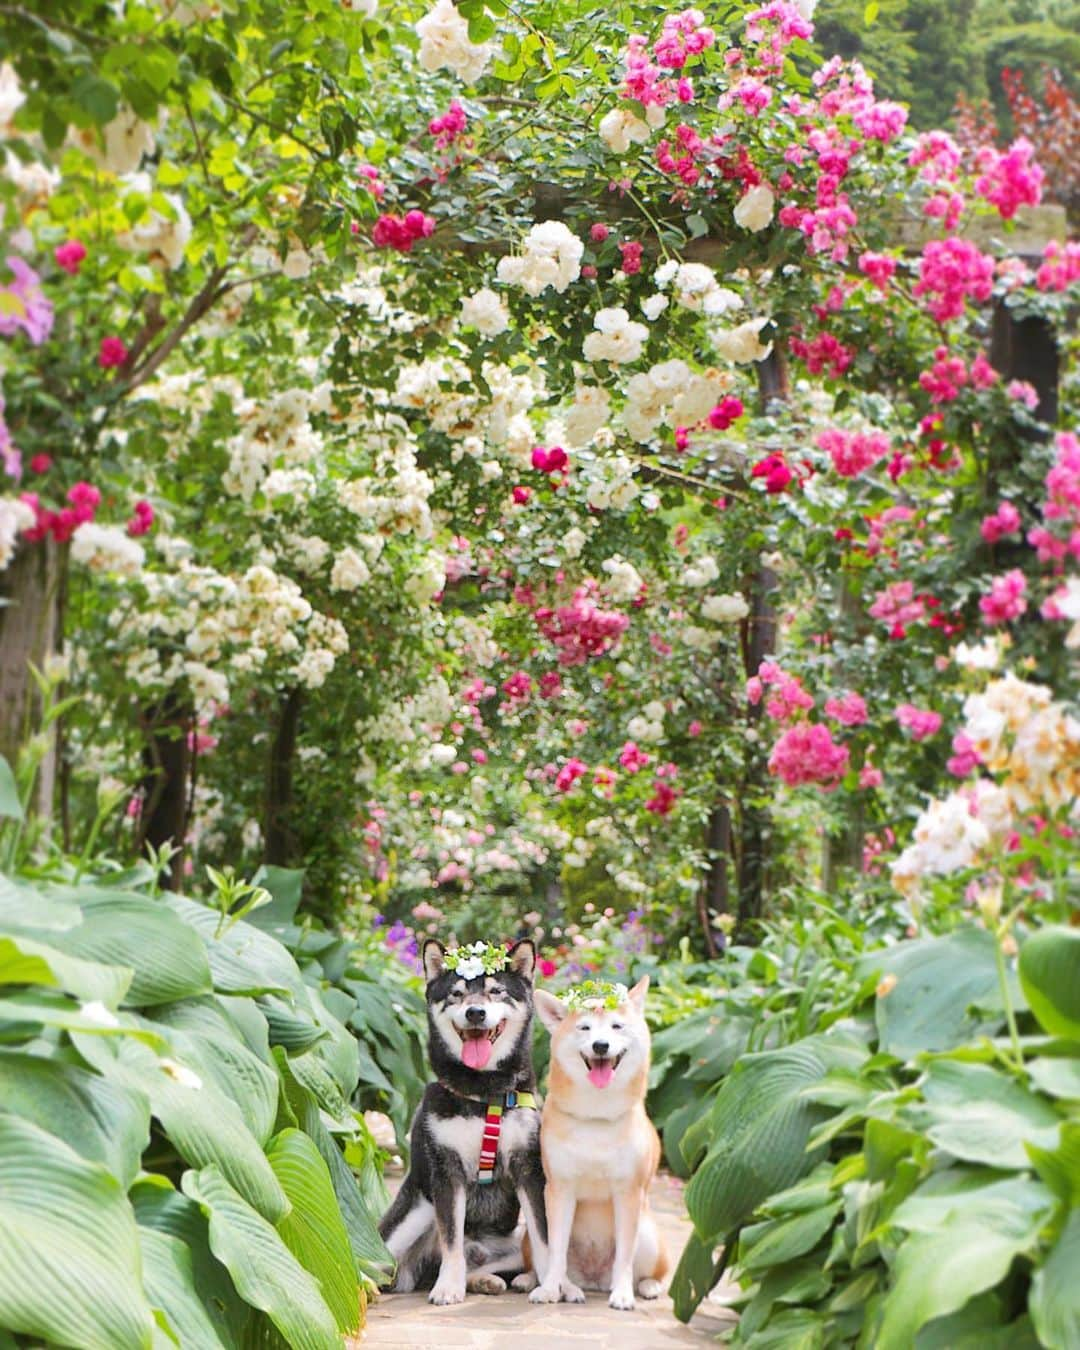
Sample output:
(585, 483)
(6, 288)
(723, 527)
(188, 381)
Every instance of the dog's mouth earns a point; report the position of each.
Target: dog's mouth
(602, 1068)
(476, 1043)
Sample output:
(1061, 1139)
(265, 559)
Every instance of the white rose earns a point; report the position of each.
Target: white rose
(617, 338)
(724, 608)
(742, 344)
(700, 573)
(573, 542)
(349, 571)
(485, 312)
(654, 305)
(443, 754)
(444, 42)
(619, 128)
(754, 210)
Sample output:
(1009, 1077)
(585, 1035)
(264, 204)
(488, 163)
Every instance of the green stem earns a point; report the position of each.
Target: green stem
(1010, 1014)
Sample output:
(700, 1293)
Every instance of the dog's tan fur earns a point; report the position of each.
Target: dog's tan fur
(600, 1154)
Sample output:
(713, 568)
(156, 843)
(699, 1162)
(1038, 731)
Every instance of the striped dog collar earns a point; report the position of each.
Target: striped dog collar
(489, 1144)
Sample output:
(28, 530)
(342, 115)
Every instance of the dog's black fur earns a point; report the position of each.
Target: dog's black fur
(438, 1172)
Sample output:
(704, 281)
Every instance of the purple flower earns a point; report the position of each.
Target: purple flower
(24, 305)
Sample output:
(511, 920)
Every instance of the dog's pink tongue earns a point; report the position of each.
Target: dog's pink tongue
(475, 1051)
(600, 1075)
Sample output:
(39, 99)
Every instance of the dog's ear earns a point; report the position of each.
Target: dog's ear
(636, 997)
(432, 957)
(523, 958)
(551, 1011)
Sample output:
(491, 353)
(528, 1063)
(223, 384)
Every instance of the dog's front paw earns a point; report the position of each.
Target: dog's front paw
(623, 1299)
(525, 1283)
(649, 1288)
(486, 1284)
(442, 1295)
(571, 1293)
(545, 1293)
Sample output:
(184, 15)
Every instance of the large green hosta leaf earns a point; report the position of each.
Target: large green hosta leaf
(982, 1115)
(243, 960)
(70, 1267)
(938, 981)
(1050, 975)
(167, 955)
(202, 1123)
(164, 1210)
(101, 1121)
(265, 1272)
(1055, 1291)
(169, 1281)
(314, 1230)
(25, 960)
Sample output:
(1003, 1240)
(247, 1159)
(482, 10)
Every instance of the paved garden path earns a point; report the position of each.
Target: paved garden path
(511, 1322)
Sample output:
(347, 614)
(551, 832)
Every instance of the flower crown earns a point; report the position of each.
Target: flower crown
(475, 959)
(595, 994)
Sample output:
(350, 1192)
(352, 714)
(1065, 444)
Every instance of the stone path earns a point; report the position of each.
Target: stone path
(409, 1322)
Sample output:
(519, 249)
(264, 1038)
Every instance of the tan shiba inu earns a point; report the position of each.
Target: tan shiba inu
(600, 1153)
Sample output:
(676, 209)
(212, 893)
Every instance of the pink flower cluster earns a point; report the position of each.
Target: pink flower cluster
(681, 159)
(1060, 266)
(518, 687)
(899, 607)
(1011, 179)
(682, 37)
(775, 470)
(952, 271)
(726, 413)
(113, 352)
(70, 256)
(84, 500)
(1061, 509)
(849, 709)
(581, 630)
(1004, 521)
(779, 24)
(568, 775)
(936, 156)
(965, 758)
(368, 176)
(554, 460)
(879, 267)
(632, 758)
(853, 452)
(27, 306)
(1006, 600)
(823, 354)
(401, 232)
(882, 121)
(949, 375)
(447, 128)
(806, 753)
(664, 797)
(142, 518)
(921, 722)
(786, 698)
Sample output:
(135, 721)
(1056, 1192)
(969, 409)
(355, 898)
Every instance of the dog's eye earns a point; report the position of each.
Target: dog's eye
(584, 1026)
(616, 1026)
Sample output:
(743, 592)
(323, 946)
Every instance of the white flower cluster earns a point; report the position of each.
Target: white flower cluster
(275, 433)
(701, 572)
(611, 483)
(616, 337)
(127, 139)
(754, 209)
(620, 128)
(724, 608)
(395, 496)
(107, 548)
(588, 413)
(486, 312)
(15, 515)
(741, 344)
(624, 582)
(444, 389)
(671, 392)
(695, 287)
(550, 256)
(648, 725)
(444, 42)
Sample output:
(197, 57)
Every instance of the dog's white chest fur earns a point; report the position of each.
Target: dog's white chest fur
(585, 1160)
(463, 1135)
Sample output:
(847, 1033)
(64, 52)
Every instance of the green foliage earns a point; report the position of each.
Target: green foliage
(166, 1076)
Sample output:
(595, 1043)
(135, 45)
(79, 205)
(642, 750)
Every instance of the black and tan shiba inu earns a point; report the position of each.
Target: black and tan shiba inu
(454, 1224)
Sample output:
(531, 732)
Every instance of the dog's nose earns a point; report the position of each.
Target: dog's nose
(475, 1016)
(600, 1048)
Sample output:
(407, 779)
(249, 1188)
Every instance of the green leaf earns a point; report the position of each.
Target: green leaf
(870, 13)
(981, 1115)
(25, 960)
(314, 1230)
(242, 959)
(938, 979)
(70, 1269)
(1056, 1077)
(760, 1124)
(10, 805)
(203, 1124)
(265, 1272)
(936, 1273)
(169, 1280)
(99, 99)
(697, 1272)
(1054, 1301)
(168, 957)
(1060, 1167)
(1050, 978)
(102, 1122)
(780, 1240)
(286, 886)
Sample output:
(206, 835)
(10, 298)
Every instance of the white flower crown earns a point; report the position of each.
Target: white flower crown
(476, 959)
